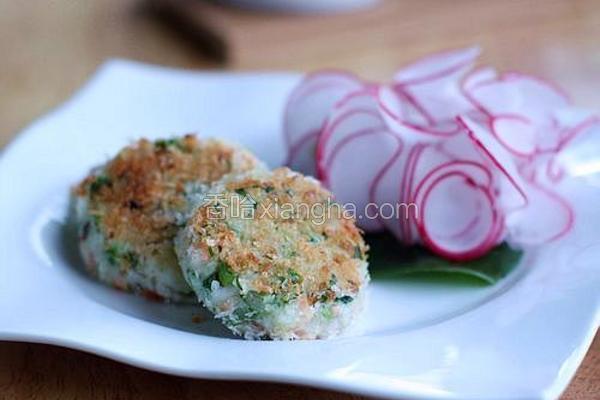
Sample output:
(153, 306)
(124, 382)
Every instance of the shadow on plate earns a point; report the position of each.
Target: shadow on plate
(60, 240)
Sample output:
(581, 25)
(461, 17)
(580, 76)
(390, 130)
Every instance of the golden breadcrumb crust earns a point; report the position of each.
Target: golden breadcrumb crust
(298, 252)
(135, 195)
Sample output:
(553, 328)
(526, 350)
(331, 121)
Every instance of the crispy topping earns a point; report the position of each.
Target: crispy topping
(294, 238)
(137, 194)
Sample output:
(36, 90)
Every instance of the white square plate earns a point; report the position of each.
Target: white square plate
(522, 338)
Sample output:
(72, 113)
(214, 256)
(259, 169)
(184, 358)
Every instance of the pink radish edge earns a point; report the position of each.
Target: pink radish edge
(476, 251)
(554, 172)
(328, 127)
(379, 174)
(563, 142)
(416, 104)
(294, 149)
(577, 130)
(301, 88)
(409, 125)
(542, 81)
(296, 97)
(507, 146)
(325, 136)
(408, 193)
(565, 204)
(360, 133)
(494, 160)
(439, 74)
(507, 77)
(466, 92)
(384, 169)
(572, 133)
(424, 181)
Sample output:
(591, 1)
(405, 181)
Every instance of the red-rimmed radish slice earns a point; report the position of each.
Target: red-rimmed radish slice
(458, 215)
(402, 117)
(356, 113)
(388, 192)
(434, 159)
(411, 231)
(512, 189)
(545, 215)
(351, 138)
(460, 147)
(477, 76)
(550, 85)
(351, 175)
(400, 106)
(301, 155)
(437, 66)
(517, 94)
(433, 84)
(548, 217)
(307, 108)
(579, 157)
(516, 133)
(573, 123)
(554, 171)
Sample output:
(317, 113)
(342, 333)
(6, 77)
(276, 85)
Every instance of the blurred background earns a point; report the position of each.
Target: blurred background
(49, 48)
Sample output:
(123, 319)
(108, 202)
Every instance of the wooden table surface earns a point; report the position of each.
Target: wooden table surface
(49, 48)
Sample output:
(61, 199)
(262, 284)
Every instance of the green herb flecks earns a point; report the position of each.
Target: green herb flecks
(97, 221)
(345, 299)
(294, 276)
(163, 144)
(247, 201)
(358, 252)
(119, 255)
(327, 312)
(112, 254)
(207, 283)
(288, 249)
(332, 280)
(315, 238)
(131, 259)
(98, 183)
(225, 275)
(193, 279)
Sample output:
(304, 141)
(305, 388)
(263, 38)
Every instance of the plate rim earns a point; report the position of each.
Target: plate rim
(19, 140)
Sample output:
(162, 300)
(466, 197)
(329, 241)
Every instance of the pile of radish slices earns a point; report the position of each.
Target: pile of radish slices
(470, 153)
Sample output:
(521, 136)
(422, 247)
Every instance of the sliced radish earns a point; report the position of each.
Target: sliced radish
(512, 193)
(434, 84)
(544, 215)
(411, 230)
(306, 111)
(516, 133)
(573, 123)
(437, 66)
(399, 114)
(458, 214)
(477, 76)
(550, 85)
(353, 131)
(388, 188)
(548, 217)
(580, 156)
(517, 94)
(475, 153)
(356, 113)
